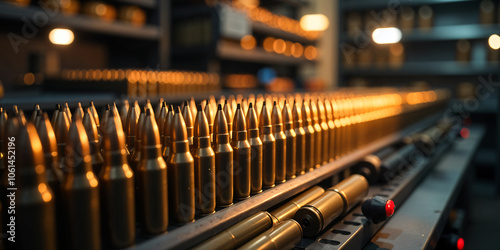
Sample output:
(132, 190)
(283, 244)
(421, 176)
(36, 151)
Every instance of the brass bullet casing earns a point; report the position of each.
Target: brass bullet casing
(167, 127)
(36, 112)
(95, 152)
(223, 160)
(288, 210)
(53, 173)
(67, 111)
(61, 130)
(35, 204)
(136, 155)
(131, 126)
(284, 236)
(331, 129)
(124, 112)
(291, 142)
(210, 118)
(80, 191)
(188, 120)
(94, 112)
(161, 120)
(318, 133)
(158, 110)
(151, 178)
(241, 156)
(335, 202)
(309, 136)
(117, 188)
(104, 118)
(53, 120)
(204, 164)
(300, 145)
(181, 173)
(228, 112)
(79, 111)
(325, 132)
(240, 233)
(3, 122)
(256, 151)
(268, 148)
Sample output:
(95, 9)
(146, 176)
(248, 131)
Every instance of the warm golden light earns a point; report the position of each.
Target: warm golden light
(386, 35)
(268, 44)
(61, 36)
(311, 52)
(279, 46)
(297, 50)
(29, 78)
(314, 22)
(248, 42)
(494, 41)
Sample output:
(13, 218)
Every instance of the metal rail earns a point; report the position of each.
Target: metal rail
(192, 234)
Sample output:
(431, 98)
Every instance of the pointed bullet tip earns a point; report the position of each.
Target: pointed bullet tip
(250, 105)
(148, 112)
(238, 106)
(178, 110)
(199, 108)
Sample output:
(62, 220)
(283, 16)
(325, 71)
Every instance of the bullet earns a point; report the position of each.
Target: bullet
(256, 150)
(300, 134)
(93, 111)
(291, 142)
(35, 204)
(151, 177)
(21, 118)
(67, 111)
(192, 106)
(181, 173)
(268, 148)
(124, 112)
(239, 233)
(114, 109)
(117, 188)
(53, 120)
(228, 112)
(148, 105)
(104, 118)
(338, 129)
(331, 129)
(241, 156)
(158, 108)
(79, 111)
(369, 166)
(36, 111)
(288, 210)
(280, 137)
(188, 119)
(309, 136)
(131, 124)
(3, 122)
(80, 192)
(61, 129)
(284, 236)
(95, 152)
(223, 160)
(167, 127)
(54, 175)
(325, 132)
(161, 118)
(204, 164)
(335, 202)
(210, 118)
(318, 133)
(136, 156)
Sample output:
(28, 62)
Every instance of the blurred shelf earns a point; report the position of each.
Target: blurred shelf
(141, 3)
(266, 29)
(229, 51)
(438, 68)
(384, 4)
(486, 157)
(488, 106)
(81, 22)
(444, 33)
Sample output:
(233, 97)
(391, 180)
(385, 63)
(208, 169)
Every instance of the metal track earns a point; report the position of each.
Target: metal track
(192, 234)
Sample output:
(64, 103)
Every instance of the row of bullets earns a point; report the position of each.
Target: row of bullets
(99, 173)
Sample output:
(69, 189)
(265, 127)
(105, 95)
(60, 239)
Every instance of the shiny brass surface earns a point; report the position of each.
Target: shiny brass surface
(223, 160)
(291, 142)
(256, 150)
(241, 156)
(268, 148)
(284, 236)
